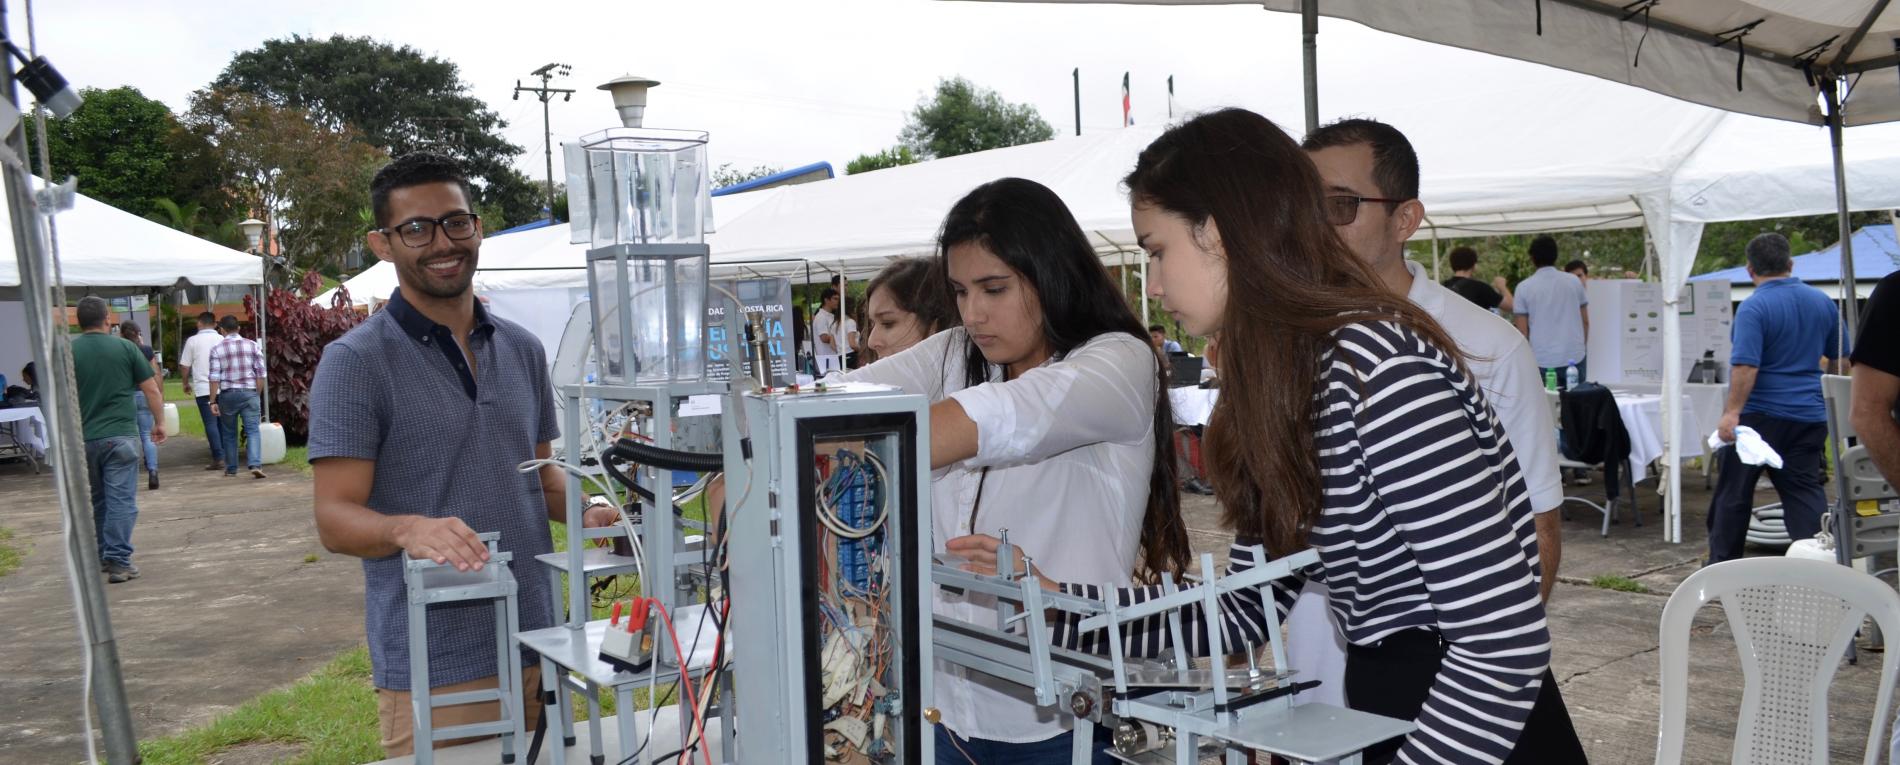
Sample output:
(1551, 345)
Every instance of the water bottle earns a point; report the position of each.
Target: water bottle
(1550, 379)
(1571, 378)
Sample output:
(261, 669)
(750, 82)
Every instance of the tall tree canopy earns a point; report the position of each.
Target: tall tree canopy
(398, 99)
(961, 117)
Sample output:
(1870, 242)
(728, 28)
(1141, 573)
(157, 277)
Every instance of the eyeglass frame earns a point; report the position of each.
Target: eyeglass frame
(1357, 201)
(435, 224)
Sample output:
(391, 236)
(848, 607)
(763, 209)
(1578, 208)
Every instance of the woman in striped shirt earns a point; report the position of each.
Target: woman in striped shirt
(1347, 423)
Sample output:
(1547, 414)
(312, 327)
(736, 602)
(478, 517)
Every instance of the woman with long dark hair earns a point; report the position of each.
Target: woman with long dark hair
(1049, 400)
(906, 302)
(1347, 423)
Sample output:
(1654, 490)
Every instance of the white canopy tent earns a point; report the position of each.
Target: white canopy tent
(540, 258)
(105, 250)
(1808, 61)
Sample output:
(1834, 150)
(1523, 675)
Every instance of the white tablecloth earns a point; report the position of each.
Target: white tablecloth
(1192, 406)
(25, 427)
(1642, 417)
(1705, 399)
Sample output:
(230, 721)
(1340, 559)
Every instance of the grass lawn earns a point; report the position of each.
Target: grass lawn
(10, 552)
(190, 424)
(331, 713)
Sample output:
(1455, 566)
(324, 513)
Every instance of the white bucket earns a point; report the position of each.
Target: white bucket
(271, 442)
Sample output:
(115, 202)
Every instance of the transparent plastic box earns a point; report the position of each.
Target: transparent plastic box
(649, 303)
(639, 186)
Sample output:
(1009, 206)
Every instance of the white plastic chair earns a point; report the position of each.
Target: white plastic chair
(1793, 620)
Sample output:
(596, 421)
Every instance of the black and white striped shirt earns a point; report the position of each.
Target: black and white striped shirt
(1426, 524)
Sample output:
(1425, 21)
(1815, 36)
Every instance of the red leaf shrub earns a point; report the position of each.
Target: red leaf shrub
(299, 330)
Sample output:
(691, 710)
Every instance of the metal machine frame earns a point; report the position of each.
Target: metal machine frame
(773, 557)
(1153, 706)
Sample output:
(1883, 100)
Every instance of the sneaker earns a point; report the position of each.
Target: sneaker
(151, 481)
(257, 472)
(117, 572)
(215, 465)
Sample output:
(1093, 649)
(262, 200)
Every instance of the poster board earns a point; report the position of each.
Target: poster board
(1626, 328)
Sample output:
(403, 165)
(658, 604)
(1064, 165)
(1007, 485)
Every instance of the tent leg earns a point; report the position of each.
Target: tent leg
(1850, 293)
(1435, 276)
(1144, 292)
(1309, 58)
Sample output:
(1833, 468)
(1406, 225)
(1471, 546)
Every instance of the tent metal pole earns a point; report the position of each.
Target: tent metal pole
(1144, 292)
(1435, 276)
(1309, 59)
(1850, 294)
(52, 359)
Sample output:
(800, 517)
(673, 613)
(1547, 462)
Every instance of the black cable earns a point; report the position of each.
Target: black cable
(667, 459)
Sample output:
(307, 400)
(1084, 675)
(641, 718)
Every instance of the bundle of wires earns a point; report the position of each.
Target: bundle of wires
(855, 629)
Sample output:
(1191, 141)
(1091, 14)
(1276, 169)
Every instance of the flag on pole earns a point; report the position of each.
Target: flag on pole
(1170, 96)
(1127, 118)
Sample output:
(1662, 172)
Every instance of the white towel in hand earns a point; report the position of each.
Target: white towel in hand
(1749, 446)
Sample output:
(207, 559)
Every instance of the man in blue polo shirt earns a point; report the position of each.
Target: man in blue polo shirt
(418, 418)
(1782, 333)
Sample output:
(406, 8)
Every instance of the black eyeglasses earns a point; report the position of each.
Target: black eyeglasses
(1343, 209)
(420, 232)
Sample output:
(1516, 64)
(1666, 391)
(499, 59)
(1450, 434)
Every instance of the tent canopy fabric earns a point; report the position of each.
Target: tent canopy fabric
(105, 250)
(1876, 254)
(1668, 47)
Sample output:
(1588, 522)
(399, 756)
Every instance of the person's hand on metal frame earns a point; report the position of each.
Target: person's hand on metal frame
(447, 541)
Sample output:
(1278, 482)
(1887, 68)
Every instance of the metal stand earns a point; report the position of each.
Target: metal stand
(1156, 707)
(430, 583)
(570, 652)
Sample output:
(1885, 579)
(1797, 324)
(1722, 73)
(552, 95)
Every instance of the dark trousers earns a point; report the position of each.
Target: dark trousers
(1394, 678)
(1803, 499)
(214, 430)
(953, 749)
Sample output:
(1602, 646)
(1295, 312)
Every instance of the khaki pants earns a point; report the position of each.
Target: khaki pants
(398, 720)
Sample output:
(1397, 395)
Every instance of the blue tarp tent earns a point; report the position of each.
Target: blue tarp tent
(1876, 254)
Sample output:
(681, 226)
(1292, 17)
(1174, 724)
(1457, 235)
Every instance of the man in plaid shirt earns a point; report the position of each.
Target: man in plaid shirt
(237, 366)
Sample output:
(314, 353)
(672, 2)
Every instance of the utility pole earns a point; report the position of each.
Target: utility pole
(546, 94)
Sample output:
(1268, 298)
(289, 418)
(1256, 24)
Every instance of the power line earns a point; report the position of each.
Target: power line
(547, 73)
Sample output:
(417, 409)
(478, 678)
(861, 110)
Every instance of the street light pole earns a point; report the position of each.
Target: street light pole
(254, 235)
(547, 74)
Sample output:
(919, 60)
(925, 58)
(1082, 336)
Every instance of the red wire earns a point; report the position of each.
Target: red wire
(692, 699)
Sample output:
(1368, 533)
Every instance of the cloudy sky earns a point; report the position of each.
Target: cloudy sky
(786, 83)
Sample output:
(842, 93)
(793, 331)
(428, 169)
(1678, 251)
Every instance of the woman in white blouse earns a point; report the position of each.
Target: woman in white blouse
(1047, 401)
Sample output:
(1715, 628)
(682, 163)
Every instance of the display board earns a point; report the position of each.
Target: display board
(1626, 328)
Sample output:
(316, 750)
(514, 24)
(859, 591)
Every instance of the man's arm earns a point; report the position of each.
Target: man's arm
(554, 494)
(1585, 310)
(346, 525)
(1741, 382)
(1550, 550)
(155, 401)
(1507, 304)
(1523, 324)
(1872, 414)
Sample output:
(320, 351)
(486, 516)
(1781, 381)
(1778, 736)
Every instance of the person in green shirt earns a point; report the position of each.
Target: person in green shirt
(104, 368)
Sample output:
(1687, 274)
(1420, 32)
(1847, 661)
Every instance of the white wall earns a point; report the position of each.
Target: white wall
(15, 351)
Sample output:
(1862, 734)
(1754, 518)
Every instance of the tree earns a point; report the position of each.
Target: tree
(116, 143)
(192, 218)
(399, 100)
(306, 178)
(961, 118)
(891, 157)
(726, 175)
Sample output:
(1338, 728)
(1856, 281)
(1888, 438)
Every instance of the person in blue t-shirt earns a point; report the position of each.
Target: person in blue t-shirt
(1782, 334)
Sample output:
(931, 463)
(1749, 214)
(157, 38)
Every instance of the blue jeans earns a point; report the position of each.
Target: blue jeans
(145, 430)
(235, 404)
(112, 468)
(214, 430)
(953, 749)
